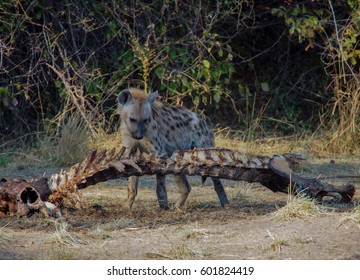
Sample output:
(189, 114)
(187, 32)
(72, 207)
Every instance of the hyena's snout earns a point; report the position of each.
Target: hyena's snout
(138, 134)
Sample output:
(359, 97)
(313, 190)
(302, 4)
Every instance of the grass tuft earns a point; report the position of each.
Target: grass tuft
(299, 206)
(277, 244)
(190, 233)
(119, 223)
(352, 217)
(60, 252)
(100, 232)
(63, 237)
(242, 191)
(66, 146)
(183, 252)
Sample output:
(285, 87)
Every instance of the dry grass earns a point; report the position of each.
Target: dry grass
(242, 192)
(119, 223)
(72, 142)
(179, 251)
(183, 252)
(106, 141)
(63, 236)
(238, 232)
(353, 217)
(60, 252)
(277, 244)
(320, 144)
(299, 206)
(67, 146)
(62, 145)
(4, 237)
(100, 233)
(304, 240)
(326, 144)
(190, 233)
(265, 146)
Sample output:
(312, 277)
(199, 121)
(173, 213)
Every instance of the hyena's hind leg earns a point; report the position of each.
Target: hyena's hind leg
(219, 188)
(184, 189)
(161, 192)
(132, 188)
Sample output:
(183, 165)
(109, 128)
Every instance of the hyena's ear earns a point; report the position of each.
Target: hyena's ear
(124, 97)
(152, 97)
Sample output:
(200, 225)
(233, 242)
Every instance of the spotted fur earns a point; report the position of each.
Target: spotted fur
(161, 129)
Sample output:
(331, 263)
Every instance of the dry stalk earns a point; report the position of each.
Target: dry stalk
(346, 87)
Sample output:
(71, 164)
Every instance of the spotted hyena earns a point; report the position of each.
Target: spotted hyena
(160, 128)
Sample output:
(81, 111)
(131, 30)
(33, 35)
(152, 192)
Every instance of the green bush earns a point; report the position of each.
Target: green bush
(240, 62)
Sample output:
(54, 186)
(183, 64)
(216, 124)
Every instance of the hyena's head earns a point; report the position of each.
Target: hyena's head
(134, 107)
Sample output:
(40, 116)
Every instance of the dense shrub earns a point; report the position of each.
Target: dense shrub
(282, 64)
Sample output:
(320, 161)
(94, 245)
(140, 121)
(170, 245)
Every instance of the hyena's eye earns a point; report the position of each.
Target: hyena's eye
(146, 121)
(132, 120)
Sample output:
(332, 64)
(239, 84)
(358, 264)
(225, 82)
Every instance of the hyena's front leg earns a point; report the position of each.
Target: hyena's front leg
(184, 189)
(161, 192)
(219, 188)
(132, 188)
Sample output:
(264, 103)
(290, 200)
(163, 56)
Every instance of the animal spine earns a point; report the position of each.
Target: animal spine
(273, 172)
(22, 197)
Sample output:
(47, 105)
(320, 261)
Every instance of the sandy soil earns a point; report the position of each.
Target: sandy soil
(248, 229)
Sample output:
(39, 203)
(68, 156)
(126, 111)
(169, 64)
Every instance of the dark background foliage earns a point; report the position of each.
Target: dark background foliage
(239, 62)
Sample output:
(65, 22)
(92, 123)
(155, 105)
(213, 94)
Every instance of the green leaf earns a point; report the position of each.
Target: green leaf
(206, 63)
(196, 100)
(217, 97)
(173, 54)
(265, 87)
(204, 99)
(160, 71)
(292, 30)
(220, 52)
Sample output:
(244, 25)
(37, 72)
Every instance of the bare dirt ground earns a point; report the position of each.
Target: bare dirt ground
(248, 229)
